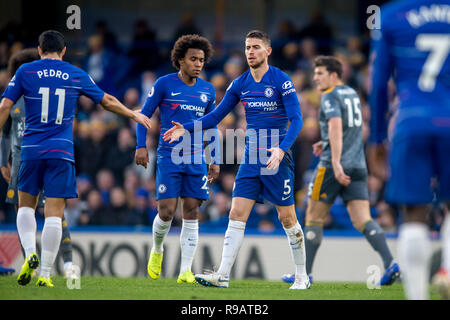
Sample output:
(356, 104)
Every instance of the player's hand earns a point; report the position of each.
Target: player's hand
(376, 159)
(318, 148)
(6, 173)
(142, 119)
(340, 175)
(141, 157)
(275, 158)
(213, 172)
(174, 133)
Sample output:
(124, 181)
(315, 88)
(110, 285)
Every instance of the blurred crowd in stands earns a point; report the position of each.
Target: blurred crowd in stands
(114, 191)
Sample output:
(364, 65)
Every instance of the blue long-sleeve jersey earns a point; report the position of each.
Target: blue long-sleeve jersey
(178, 102)
(412, 46)
(50, 88)
(269, 104)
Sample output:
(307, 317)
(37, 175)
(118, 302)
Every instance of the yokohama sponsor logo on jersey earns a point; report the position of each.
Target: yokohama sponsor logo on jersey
(256, 104)
(188, 107)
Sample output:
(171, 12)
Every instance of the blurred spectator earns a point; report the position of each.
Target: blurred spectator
(4, 54)
(286, 34)
(144, 51)
(220, 83)
(121, 154)
(290, 56)
(100, 63)
(131, 98)
(109, 38)
(93, 150)
(105, 183)
(216, 211)
(234, 67)
(187, 26)
(95, 211)
(131, 184)
(142, 214)
(72, 211)
(262, 212)
(85, 108)
(118, 212)
(320, 31)
(84, 186)
(308, 51)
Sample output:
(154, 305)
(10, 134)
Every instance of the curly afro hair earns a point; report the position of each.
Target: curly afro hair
(190, 41)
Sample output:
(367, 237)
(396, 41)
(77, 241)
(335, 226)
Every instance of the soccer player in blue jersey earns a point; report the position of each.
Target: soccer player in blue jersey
(413, 47)
(184, 97)
(270, 102)
(51, 88)
(11, 142)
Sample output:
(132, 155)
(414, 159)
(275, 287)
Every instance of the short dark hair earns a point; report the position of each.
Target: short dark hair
(258, 34)
(51, 41)
(331, 64)
(21, 57)
(190, 41)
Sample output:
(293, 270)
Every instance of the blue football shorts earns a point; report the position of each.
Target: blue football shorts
(253, 182)
(414, 162)
(56, 177)
(183, 180)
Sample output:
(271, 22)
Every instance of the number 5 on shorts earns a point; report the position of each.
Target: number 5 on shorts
(287, 187)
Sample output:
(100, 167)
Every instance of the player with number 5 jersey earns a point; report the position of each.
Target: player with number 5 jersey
(270, 102)
(50, 87)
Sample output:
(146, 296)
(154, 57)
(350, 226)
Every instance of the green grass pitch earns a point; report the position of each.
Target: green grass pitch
(109, 288)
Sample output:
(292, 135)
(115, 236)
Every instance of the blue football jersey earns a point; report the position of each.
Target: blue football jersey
(269, 106)
(50, 88)
(178, 102)
(413, 46)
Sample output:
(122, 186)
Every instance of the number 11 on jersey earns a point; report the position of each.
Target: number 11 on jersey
(45, 92)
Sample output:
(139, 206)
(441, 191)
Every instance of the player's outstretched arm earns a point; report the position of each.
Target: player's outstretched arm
(111, 103)
(174, 133)
(208, 121)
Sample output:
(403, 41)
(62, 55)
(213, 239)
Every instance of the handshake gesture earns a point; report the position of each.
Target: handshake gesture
(174, 133)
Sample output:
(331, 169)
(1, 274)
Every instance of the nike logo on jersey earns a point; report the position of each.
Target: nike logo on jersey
(285, 198)
(175, 94)
(244, 93)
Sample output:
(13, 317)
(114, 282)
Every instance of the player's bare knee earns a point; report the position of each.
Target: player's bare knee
(237, 214)
(191, 213)
(314, 213)
(166, 212)
(287, 221)
(358, 224)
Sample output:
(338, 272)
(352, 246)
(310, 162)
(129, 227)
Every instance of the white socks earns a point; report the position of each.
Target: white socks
(232, 242)
(414, 252)
(297, 245)
(50, 241)
(26, 227)
(160, 229)
(188, 242)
